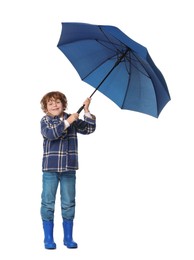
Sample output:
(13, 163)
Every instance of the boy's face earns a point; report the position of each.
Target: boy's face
(55, 107)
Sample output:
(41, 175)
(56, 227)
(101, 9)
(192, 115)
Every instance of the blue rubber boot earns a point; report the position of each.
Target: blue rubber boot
(68, 230)
(48, 234)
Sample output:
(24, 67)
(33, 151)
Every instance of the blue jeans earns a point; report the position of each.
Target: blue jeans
(50, 182)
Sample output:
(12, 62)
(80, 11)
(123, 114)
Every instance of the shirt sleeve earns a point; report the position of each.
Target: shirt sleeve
(88, 114)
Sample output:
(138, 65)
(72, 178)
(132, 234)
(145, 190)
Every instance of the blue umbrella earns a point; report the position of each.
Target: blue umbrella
(116, 65)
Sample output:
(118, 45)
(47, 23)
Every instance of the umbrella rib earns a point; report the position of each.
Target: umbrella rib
(117, 50)
(129, 78)
(137, 67)
(99, 65)
(130, 58)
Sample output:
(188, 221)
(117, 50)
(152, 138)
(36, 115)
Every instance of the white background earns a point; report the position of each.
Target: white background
(135, 183)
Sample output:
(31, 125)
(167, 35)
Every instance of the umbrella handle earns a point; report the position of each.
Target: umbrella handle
(80, 109)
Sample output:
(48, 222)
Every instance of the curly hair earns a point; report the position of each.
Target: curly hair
(56, 95)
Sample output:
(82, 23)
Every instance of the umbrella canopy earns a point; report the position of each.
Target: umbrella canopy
(116, 65)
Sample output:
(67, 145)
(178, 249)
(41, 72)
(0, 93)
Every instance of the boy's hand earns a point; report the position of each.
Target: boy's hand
(72, 118)
(87, 104)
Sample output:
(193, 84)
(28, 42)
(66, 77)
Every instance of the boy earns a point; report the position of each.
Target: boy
(60, 162)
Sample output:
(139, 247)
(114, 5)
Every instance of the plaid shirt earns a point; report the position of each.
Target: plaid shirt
(60, 147)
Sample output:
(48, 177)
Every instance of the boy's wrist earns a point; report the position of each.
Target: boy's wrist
(67, 124)
(88, 114)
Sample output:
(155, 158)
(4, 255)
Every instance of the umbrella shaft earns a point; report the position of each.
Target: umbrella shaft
(115, 65)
